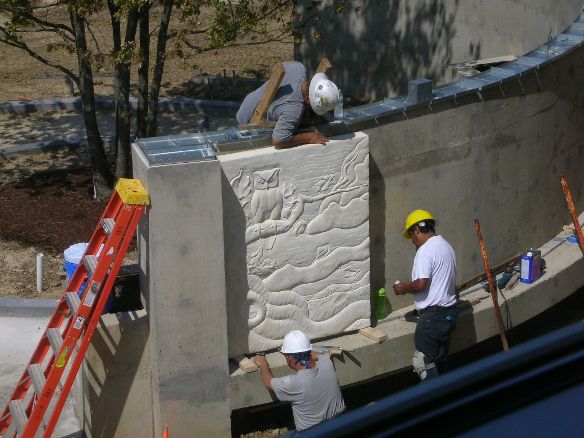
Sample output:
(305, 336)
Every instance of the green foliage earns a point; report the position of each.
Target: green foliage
(126, 53)
(246, 18)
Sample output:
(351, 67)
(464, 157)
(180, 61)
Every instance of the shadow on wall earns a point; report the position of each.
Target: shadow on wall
(235, 269)
(411, 39)
(377, 207)
(112, 389)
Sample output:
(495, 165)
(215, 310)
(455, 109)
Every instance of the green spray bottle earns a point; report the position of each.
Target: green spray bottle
(381, 305)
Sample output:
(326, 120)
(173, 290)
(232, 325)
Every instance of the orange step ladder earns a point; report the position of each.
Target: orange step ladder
(70, 329)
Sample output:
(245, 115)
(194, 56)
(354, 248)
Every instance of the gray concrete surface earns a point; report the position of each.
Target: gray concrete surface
(183, 285)
(498, 160)
(20, 336)
(23, 307)
(376, 48)
(116, 398)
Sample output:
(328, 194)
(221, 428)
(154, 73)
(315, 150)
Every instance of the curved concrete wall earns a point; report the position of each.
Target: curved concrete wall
(376, 47)
(499, 160)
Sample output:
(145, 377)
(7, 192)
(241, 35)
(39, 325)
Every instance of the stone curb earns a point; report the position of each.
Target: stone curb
(27, 307)
(107, 103)
(44, 146)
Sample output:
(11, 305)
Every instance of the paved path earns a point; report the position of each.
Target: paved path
(21, 129)
(19, 337)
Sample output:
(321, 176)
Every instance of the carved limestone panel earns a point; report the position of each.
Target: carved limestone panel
(296, 241)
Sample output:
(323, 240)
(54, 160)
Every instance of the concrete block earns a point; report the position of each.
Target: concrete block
(183, 283)
(297, 241)
(419, 91)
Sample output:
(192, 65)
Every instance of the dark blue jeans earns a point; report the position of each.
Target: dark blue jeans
(432, 337)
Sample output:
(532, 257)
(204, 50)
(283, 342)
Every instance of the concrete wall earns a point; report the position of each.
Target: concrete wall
(117, 391)
(376, 46)
(497, 160)
(183, 286)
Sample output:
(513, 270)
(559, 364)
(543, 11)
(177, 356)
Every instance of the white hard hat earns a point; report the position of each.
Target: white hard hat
(295, 342)
(323, 94)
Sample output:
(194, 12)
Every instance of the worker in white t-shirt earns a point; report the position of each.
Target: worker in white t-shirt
(314, 390)
(433, 284)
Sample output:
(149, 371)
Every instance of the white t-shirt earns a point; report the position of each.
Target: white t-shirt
(435, 260)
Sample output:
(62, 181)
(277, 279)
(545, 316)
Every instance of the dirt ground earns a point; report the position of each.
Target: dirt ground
(22, 77)
(49, 211)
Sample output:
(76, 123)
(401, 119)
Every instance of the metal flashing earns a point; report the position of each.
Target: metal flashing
(166, 150)
(575, 37)
(530, 61)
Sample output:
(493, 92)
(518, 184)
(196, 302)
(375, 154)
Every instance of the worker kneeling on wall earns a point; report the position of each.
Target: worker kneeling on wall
(433, 284)
(314, 390)
(294, 96)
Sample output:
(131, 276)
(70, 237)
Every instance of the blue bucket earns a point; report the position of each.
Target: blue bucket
(73, 256)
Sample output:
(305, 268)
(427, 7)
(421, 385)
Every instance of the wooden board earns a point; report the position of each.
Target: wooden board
(276, 77)
(324, 66)
(246, 364)
(371, 333)
(258, 125)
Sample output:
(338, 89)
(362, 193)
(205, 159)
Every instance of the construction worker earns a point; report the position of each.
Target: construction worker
(433, 282)
(314, 390)
(292, 98)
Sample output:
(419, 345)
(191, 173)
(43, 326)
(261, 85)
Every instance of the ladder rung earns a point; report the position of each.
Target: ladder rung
(18, 415)
(73, 301)
(108, 225)
(11, 429)
(35, 371)
(55, 339)
(90, 262)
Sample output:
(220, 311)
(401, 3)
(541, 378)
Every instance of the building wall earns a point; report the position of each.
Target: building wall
(498, 160)
(376, 46)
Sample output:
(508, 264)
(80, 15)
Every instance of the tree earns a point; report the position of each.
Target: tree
(75, 27)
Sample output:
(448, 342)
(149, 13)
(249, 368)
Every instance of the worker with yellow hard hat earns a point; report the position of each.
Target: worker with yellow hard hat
(432, 285)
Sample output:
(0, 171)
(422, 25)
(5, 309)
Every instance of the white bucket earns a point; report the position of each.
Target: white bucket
(73, 256)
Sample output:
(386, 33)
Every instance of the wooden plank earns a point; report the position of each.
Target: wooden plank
(271, 90)
(258, 125)
(324, 66)
(246, 364)
(371, 333)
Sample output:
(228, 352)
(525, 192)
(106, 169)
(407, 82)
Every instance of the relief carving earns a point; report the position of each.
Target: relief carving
(307, 239)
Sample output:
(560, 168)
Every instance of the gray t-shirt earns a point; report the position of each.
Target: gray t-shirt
(286, 108)
(315, 393)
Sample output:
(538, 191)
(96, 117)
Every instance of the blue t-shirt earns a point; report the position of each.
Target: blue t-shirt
(287, 107)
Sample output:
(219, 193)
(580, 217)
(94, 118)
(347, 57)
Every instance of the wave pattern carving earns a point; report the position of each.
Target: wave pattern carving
(306, 239)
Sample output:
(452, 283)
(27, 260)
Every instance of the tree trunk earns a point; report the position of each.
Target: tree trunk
(103, 178)
(158, 69)
(117, 45)
(142, 108)
(122, 96)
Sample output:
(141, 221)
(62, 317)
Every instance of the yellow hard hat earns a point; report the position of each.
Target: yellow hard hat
(413, 218)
